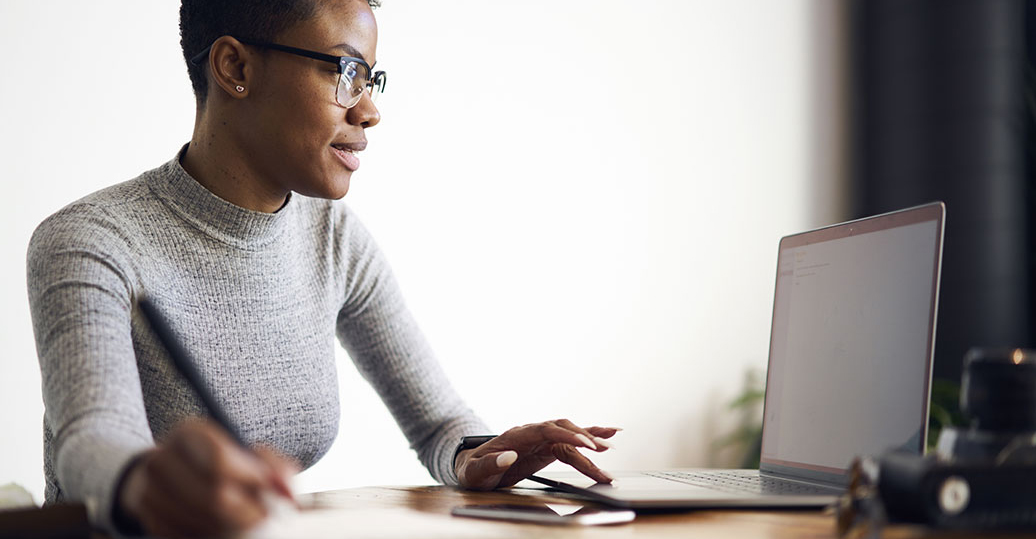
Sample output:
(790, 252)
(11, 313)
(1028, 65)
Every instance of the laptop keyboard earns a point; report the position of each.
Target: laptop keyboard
(735, 482)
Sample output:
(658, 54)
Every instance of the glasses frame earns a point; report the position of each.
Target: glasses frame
(377, 79)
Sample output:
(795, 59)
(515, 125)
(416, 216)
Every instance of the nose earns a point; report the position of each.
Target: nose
(364, 114)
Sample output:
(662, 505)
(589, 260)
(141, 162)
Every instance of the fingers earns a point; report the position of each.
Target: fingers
(211, 451)
(199, 483)
(163, 514)
(533, 447)
(590, 439)
(180, 481)
(282, 469)
(603, 432)
(565, 431)
(484, 472)
(569, 455)
(539, 436)
(216, 511)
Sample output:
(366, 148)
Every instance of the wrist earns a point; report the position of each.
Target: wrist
(468, 443)
(123, 517)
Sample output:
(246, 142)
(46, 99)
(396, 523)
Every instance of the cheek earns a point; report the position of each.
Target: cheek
(303, 117)
(304, 130)
(292, 129)
(316, 122)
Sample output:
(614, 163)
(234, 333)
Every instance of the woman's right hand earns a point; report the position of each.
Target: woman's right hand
(199, 483)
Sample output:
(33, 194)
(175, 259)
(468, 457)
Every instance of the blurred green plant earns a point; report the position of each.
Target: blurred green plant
(747, 437)
(943, 410)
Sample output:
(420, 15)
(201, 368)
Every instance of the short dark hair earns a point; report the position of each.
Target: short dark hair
(205, 21)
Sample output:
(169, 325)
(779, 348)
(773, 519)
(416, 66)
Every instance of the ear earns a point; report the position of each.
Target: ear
(230, 67)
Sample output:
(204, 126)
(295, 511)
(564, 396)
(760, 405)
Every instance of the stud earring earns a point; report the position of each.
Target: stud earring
(239, 88)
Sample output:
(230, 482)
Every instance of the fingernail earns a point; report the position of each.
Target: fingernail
(602, 442)
(586, 441)
(507, 458)
(606, 474)
(279, 505)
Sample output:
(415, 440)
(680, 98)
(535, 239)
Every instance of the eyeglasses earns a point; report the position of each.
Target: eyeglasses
(354, 74)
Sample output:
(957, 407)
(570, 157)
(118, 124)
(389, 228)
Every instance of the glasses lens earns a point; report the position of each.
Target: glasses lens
(351, 83)
(377, 84)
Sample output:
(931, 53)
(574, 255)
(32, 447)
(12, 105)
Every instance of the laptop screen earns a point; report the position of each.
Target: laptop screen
(852, 342)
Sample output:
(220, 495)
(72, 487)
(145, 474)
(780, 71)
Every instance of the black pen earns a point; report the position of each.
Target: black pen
(184, 363)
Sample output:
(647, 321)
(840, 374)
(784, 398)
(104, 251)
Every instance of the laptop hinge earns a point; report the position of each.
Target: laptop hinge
(810, 481)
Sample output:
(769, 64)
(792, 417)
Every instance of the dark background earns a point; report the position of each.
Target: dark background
(942, 108)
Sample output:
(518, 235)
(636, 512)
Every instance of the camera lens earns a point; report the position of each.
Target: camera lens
(998, 389)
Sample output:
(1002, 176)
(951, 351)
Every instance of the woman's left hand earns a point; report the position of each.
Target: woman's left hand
(523, 451)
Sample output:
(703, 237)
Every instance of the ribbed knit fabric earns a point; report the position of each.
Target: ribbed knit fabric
(257, 298)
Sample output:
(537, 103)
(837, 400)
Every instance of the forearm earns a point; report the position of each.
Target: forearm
(79, 299)
(89, 463)
(402, 369)
(392, 354)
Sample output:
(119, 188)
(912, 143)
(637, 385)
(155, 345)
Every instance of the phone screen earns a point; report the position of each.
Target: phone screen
(549, 513)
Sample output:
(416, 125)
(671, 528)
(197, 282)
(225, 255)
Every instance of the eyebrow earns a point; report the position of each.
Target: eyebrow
(350, 50)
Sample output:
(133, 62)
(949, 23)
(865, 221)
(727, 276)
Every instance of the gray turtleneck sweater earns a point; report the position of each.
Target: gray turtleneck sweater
(257, 298)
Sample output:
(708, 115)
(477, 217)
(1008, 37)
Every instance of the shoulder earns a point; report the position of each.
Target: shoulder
(356, 261)
(98, 227)
(90, 219)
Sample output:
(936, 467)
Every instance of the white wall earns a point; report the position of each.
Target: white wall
(581, 199)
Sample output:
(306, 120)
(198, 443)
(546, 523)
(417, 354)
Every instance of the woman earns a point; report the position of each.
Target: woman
(239, 241)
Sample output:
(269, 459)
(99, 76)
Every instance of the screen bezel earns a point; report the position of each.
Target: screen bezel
(935, 211)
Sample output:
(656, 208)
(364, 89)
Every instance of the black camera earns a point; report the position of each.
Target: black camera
(998, 394)
(982, 476)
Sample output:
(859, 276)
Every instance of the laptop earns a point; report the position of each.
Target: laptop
(851, 346)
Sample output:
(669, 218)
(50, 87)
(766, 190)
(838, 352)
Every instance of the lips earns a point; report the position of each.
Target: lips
(346, 153)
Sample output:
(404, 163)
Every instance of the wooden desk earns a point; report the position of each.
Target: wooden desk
(433, 504)
(424, 513)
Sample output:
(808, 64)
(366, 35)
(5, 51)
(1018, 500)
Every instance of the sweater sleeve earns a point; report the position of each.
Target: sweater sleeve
(80, 300)
(389, 350)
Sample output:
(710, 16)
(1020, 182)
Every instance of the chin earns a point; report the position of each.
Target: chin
(339, 188)
(331, 190)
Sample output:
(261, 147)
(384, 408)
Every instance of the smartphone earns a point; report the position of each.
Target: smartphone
(558, 514)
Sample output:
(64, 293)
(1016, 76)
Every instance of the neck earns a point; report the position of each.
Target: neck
(218, 160)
